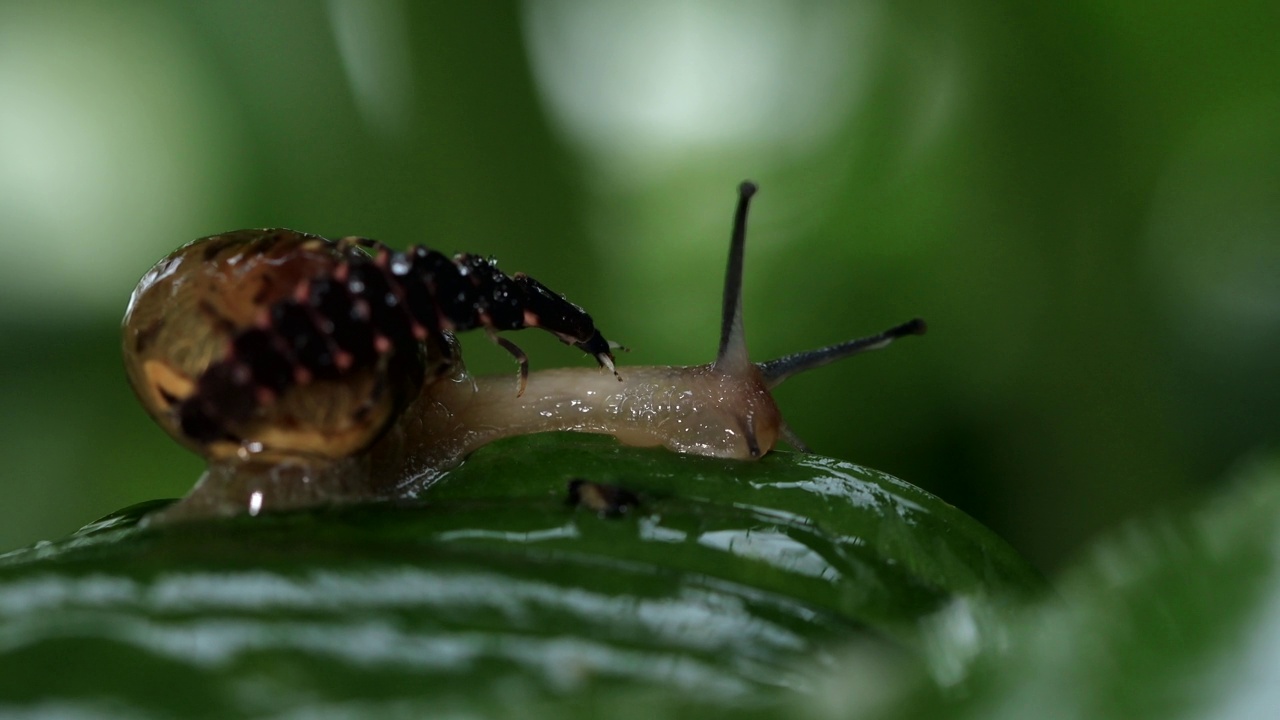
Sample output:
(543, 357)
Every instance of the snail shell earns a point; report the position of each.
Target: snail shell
(282, 343)
(189, 333)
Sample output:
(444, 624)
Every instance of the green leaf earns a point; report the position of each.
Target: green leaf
(727, 587)
(1170, 617)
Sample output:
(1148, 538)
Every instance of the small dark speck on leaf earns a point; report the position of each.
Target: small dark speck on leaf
(604, 500)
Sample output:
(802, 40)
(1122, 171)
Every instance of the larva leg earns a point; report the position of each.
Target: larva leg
(520, 357)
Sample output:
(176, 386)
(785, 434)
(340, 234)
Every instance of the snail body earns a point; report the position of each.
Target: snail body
(217, 338)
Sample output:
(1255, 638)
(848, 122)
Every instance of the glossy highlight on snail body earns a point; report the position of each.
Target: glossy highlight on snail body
(309, 372)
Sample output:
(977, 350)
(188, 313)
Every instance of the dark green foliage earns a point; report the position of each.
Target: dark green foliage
(730, 586)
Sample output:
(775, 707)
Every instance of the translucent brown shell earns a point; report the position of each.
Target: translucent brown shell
(183, 313)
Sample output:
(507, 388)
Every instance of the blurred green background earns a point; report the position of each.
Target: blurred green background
(1083, 201)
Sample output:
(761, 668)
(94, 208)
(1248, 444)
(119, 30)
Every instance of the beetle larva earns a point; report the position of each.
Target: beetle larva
(307, 372)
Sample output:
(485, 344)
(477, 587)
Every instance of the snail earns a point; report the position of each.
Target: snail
(310, 372)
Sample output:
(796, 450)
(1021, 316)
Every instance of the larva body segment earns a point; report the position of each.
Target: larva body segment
(303, 432)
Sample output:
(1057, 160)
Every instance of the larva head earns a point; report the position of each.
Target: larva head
(221, 343)
(546, 309)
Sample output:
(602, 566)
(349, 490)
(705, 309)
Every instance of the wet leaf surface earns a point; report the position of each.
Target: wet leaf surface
(1174, 616)
(727, 586)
